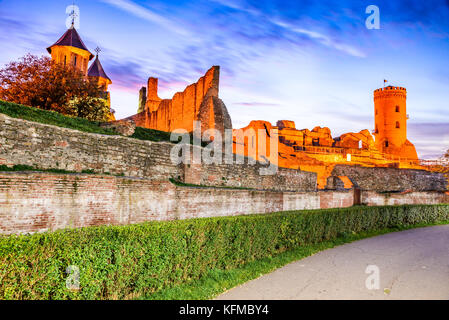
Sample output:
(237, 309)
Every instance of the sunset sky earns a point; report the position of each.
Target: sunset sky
(313, 62)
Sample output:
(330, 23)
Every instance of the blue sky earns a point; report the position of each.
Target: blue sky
(313, 62)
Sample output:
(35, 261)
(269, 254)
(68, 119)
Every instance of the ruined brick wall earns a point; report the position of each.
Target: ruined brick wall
(50, 147)
(392, 179)
(248, 176)
(198, 102)
(37, 202)
(336, 199)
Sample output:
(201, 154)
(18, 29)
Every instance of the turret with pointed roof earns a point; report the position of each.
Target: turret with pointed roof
(96, 73)
(71, 50)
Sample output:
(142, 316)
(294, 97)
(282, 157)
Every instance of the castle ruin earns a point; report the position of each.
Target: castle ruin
(198, 102)
(303, 149)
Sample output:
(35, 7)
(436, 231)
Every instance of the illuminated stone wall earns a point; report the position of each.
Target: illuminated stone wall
(198, 102)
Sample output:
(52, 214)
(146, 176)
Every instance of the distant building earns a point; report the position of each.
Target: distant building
(71, 50)
(310, 150)
(391, 122)
(317, 151)
(198, 102)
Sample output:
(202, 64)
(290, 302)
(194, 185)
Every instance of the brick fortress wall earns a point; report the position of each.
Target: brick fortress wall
(50, 147)
(37, 202)
(34, 202)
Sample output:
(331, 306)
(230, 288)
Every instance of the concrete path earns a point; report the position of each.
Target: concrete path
(412, 264)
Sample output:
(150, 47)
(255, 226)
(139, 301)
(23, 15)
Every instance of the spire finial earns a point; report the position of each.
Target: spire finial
(73, 14)
(97, 50)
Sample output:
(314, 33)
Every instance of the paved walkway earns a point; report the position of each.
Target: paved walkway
(412, 264)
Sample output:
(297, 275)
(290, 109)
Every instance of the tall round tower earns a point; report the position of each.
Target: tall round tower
(391, 122)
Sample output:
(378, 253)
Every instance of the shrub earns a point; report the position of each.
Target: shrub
(120, 262)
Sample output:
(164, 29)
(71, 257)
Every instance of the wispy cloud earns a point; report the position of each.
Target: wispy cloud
(146, 14)
(313, 35)
(431, 139)
(323, 39)
(28, 37)
(127, 75)
(313, 62)
(256, 104)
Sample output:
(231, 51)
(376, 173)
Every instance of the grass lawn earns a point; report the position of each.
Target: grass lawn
(50, 117)
(54, 118)
(216, 282)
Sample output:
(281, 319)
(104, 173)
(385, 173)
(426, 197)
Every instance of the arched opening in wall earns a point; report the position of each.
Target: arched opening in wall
(360, 144)
(397, 125)
(386, 143)
(74, 61)
(397, 108)
(377, 130)
(65, 60)
(376, 112)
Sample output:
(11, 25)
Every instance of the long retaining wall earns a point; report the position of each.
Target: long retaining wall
(36, 202)
(49, 147)
(248, 175)
(391, 179)
(131, 183)
(372, 198)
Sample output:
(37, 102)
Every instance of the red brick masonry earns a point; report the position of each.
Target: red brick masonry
(37, 202)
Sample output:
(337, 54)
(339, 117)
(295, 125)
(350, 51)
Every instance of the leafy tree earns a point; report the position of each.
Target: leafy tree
(44, 84)
(93, 109)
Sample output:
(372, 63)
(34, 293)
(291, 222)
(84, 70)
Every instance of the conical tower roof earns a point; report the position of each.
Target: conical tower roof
(71, 38)
(96, 70)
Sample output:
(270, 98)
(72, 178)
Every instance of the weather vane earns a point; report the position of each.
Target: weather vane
(73, 14)
(97, 50)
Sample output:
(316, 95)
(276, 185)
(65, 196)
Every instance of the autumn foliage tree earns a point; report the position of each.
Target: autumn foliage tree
(44, 84)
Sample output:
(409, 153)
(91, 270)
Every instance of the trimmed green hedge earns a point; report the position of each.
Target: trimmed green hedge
(121, 262)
